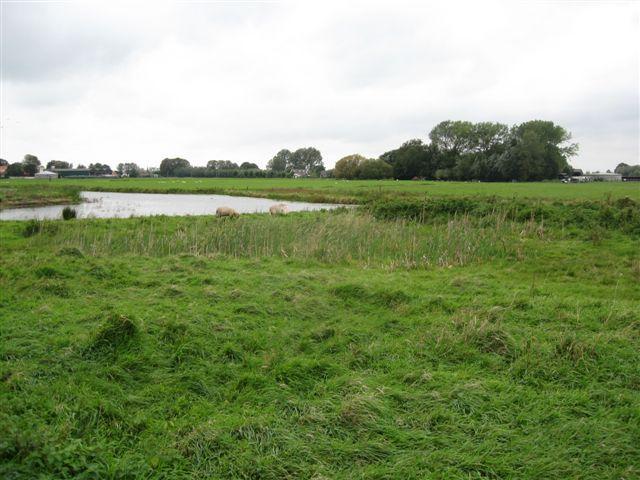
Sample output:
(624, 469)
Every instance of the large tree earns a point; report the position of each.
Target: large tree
(374, 169)
(99, 169)
(168, 166)
(348, 167)
(412, 159)
(222, 165)
(536, 150)
(249, 166)
(53, 164)
(129, 169)
(15, 170)
(309, 160)
(456, 136)
(281, 161)
(628, 170)
(30, 164)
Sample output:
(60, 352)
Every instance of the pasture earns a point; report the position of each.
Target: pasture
(453, 338)
(24, 192)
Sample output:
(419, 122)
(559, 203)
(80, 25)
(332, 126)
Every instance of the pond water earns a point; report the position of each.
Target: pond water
(124, 205)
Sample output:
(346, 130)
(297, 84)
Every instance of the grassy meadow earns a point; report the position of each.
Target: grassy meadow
(28, 192)
(460, 337)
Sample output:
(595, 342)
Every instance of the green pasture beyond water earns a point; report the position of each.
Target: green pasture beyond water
(320, 345)
(25, 192)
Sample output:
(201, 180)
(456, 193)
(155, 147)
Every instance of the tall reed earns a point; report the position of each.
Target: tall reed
(326, 237)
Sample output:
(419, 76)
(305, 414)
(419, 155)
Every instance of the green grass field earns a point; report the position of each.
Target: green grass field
(23, 192)
(477, 343)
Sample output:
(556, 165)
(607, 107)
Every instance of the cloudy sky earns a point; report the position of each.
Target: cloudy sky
(116, 82)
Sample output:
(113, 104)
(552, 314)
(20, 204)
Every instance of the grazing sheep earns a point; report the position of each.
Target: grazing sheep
(278, 209)
(226, 212)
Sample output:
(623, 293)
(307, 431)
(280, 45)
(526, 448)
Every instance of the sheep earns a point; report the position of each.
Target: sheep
(278, 209)
(226, 212)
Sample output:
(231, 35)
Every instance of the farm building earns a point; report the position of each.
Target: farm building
(73, 172)
(46, 174)
(604, 177)
(595, 177)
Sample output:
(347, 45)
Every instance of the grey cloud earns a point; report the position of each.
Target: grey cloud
(44, 41)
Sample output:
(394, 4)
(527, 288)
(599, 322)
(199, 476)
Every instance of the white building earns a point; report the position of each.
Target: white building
(604, 177)
(46, 174)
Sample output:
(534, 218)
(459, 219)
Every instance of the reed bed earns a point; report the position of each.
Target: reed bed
(345, 237)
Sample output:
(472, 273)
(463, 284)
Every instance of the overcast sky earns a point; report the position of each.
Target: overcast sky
(117, 82)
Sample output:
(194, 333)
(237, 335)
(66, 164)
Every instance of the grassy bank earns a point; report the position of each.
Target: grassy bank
(21, 192)
(33, 193)
(319, 345)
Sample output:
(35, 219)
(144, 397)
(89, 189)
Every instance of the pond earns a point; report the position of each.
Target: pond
(124, 205)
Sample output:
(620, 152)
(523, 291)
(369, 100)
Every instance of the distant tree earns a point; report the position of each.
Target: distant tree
(53, 164)
(99, 169)
(15, 170)
(536, 150)
(317, 170)
(348, 167)
(412, 159)
(374, 169)
(30, 165)
(249, 166)
(488, 138)
(168, 166)
(457, 136)
(129, 170)
(309, 160)
(81, 167)
(222, 165)
(628, 170)
(3, 162)
(281, 161)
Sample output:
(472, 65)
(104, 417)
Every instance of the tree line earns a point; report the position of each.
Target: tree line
(460, 150)
(628, 170)
(455, 150)
(303, 162)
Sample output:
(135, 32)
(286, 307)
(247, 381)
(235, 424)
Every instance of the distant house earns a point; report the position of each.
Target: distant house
(46, 174)
(3, 169)
(300, 174)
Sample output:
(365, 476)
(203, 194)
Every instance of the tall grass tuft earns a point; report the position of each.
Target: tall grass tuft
(346, 237)
(69, 213)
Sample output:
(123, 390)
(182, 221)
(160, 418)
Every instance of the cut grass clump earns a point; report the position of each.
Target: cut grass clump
(303, 374)
(575, 350)
(70, 252)
(36, 227)
(117, 331)
(390, 298)
(486, 334)
(174, 332)
(49, 272)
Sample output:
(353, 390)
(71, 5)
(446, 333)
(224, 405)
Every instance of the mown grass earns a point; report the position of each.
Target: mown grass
(21, 192)
(318, 345)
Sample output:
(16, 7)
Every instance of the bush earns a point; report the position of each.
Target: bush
(68, 213)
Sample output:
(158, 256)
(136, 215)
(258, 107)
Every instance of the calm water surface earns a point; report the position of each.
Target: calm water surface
(124, 205)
